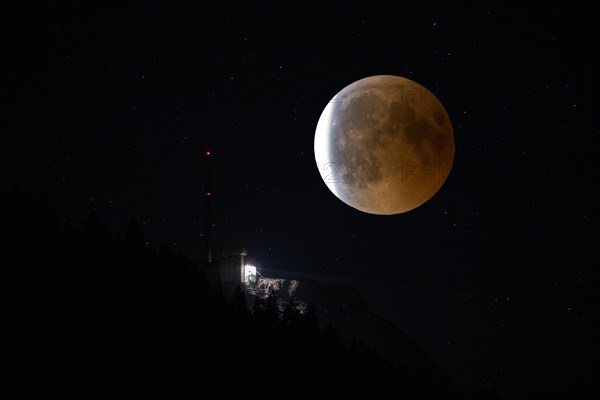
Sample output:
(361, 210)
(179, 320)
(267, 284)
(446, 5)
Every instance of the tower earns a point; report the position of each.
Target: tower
(229, 268)
(208, 221)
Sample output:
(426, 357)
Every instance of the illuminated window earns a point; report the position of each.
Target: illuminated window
(249, 274)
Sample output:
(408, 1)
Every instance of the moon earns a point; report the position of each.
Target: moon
(384, 145)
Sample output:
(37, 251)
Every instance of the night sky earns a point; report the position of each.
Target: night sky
(111, 108)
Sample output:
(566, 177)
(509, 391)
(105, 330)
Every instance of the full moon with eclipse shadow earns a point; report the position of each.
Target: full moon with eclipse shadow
(384, 145)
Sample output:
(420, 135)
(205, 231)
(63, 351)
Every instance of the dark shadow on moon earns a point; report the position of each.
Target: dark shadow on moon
(439, 117)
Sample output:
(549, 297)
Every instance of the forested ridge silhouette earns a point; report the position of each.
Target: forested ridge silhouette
(91, 312)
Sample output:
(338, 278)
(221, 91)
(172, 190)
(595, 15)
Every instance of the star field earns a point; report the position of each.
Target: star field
(110, 108)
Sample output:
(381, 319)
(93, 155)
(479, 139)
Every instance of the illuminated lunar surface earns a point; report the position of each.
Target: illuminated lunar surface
(384, 145)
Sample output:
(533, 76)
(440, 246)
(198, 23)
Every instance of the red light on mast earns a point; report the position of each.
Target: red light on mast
(208, 194)
(208, 153)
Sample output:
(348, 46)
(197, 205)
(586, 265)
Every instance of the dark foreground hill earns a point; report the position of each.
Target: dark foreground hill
(89, 313)
(347, 311)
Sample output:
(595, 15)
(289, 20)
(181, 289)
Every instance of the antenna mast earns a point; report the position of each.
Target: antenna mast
(208, 226)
